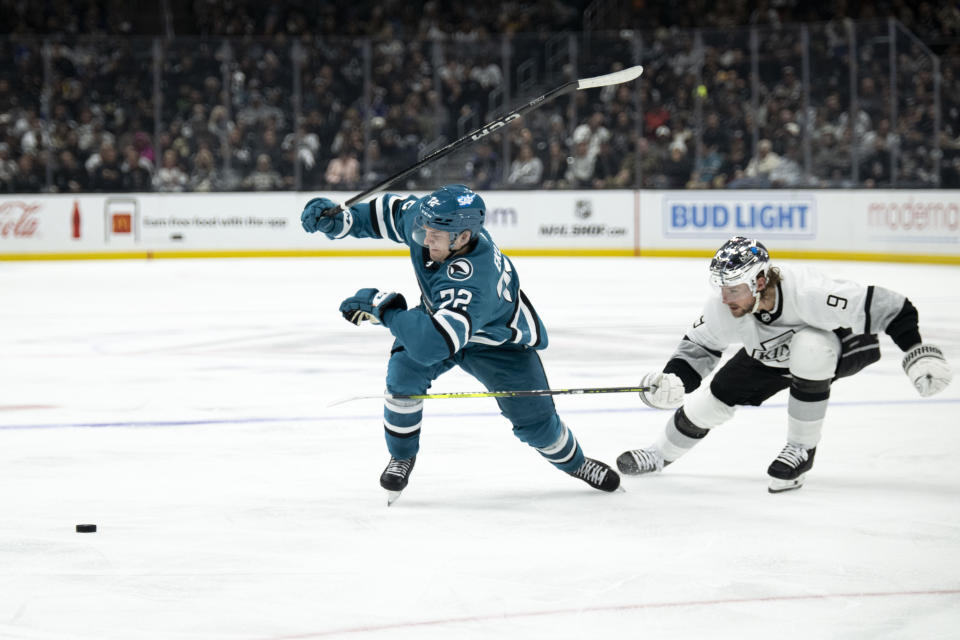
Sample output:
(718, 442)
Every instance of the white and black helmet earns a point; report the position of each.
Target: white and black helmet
(739, 261)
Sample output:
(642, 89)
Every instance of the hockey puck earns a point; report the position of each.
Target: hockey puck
(86, 528)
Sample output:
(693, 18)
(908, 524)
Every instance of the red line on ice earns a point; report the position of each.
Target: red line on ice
(622, 607)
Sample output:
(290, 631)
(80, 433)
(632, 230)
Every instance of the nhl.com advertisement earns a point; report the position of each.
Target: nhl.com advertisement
(576, 222)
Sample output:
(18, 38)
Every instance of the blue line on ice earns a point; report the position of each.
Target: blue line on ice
(368, 416)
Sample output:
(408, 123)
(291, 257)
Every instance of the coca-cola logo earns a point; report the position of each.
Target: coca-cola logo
(19, 219)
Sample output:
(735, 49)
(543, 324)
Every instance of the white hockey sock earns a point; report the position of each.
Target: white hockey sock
(806, 409)
(805, 422)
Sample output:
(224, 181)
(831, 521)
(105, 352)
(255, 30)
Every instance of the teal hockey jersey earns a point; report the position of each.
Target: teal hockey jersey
(471, 299)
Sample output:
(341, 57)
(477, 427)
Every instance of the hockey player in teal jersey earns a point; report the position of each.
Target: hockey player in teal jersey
(472, 314)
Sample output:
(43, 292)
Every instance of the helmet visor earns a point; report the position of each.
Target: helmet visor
(427, 236)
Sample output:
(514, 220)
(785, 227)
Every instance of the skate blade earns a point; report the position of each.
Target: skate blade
(393, 496)
(779, 486)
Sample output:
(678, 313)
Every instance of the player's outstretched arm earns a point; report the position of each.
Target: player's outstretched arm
(381, 218)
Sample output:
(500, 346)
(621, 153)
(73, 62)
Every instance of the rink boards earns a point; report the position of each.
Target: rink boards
(884, 225)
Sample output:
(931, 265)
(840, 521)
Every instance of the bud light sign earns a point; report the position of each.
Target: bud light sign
(721, 215)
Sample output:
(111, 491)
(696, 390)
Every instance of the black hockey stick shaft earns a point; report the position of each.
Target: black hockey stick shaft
(498, 394)
(617, 77)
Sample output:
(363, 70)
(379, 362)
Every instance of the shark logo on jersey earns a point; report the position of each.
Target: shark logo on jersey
(466, 199)
(775, 349)
(460, 269)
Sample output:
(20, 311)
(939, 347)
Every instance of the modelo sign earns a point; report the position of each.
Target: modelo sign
(769, 214)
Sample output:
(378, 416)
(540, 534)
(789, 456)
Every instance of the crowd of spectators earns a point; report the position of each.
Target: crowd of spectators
(242, 95)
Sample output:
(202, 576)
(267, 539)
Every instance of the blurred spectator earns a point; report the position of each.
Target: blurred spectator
(735, 163)
(711, 164)
(787, 173)
(627, 173)
(343, 172)
(677, 167)
(241, 154)
(484, 168)
(257, 112)
(170, 177)
(136, 170)
(555, 168)
(714, 134)
(436, 72)
(763, 163)
(264, 177)
(606, 167)
(379, 167)
(8, 168)
(107, 176)
(27, 178)
(657, 115)
(219, 125)
(875, 165)
(33, 133)
(593, 131)
(142, 143)
(580, 172)
(69, 176)
(269, 144)
(526, 172)
(205, 175)
(831, 164)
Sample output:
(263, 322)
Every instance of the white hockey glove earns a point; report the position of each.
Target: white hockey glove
(927, 369)
(666, 390)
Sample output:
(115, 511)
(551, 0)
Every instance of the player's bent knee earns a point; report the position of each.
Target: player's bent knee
(683, 424)
(703, 411)
(814, 354)
(539, 434)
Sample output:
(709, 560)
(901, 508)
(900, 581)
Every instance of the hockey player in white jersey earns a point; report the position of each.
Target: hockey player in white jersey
(472, 314)
(800, 330)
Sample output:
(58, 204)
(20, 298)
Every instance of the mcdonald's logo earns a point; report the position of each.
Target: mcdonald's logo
(122, 223)
(121, 220)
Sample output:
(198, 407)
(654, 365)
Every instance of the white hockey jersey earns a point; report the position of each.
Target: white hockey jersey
(805, 297)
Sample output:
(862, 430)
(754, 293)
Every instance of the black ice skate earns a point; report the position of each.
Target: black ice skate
(395, 477)
(598, 475)
(637, 461)
(789, 469)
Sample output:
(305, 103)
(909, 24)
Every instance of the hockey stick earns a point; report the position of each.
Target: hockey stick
(617, 77)
(495, 394)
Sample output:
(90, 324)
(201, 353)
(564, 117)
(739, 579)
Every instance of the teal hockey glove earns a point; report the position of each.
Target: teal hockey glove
(313, 221)
(371, 304)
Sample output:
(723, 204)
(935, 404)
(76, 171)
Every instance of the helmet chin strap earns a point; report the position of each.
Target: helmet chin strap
(757, 292)
(453, 242)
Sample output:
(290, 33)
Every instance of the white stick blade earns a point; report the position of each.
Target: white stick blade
(617, 77)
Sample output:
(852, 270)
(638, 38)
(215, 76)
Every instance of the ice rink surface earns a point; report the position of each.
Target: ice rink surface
(182, 406)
